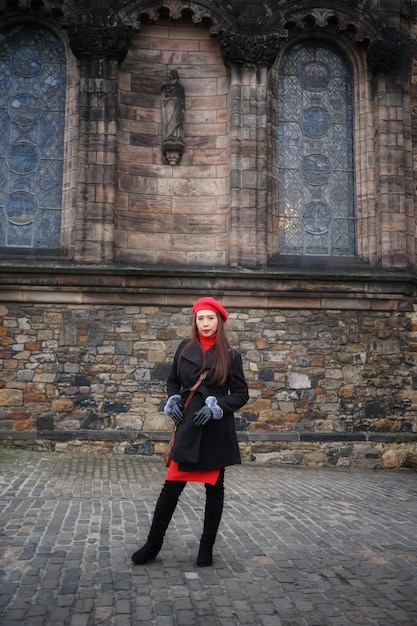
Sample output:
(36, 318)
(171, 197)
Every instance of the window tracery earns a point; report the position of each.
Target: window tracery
(32, 107)
(315, 146)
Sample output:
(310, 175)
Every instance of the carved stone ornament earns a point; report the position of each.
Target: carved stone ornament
(46, 7)
(408, 9)
(240, 49)
(107, 42)
(383, 54)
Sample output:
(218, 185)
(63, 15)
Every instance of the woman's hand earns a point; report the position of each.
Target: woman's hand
(176, 414)
(211, 411)
(173, 408)
(202, 417)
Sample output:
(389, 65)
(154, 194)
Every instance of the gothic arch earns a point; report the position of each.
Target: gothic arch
(132, 11)
(361, 26)
(25, 7)
(373, 50)
(33, 107)
(354, 27)
(314, 145)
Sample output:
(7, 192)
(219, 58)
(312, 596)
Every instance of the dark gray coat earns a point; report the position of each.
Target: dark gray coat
(215, 444)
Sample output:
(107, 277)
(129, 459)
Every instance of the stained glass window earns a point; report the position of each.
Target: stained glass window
(315, 152)
(32, 108)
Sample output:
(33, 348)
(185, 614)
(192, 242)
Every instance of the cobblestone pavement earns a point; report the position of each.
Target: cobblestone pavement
(296, 546)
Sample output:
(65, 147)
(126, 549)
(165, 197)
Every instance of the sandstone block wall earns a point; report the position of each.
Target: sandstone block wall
(162, 211)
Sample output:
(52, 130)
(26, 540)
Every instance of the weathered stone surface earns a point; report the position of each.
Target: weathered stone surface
(298, 380)
(27, 424)
(394, 458)
(11, 397)
(18, 415)
(62, 405)
(286, 458)
(411, 460)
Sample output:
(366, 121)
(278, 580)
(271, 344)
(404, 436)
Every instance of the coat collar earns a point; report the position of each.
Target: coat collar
(194, 354)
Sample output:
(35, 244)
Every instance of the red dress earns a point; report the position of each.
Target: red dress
(199, 476)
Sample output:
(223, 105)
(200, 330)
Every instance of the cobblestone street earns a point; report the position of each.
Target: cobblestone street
(296, 546)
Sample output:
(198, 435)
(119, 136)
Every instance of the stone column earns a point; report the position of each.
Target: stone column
(99, 49)
(393, 152)
(249, 58)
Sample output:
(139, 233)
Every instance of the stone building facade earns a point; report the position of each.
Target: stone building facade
(153, 151)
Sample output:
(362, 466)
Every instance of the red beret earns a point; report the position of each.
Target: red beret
(210, 304)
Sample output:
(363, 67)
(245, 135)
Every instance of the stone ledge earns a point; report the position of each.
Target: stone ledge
(305, 436)
(163, 436)
(365, 437)
(103, 435)
(18, 435)
(356, 287)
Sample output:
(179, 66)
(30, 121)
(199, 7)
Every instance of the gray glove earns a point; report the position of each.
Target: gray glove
(211, 411)
(173, 408)
(202, 417)
(176, 414)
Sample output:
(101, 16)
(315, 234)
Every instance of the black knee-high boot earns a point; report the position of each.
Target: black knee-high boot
(212, 517)
(163, 513)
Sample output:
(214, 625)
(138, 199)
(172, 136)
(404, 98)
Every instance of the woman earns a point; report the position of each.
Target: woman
(205, 442)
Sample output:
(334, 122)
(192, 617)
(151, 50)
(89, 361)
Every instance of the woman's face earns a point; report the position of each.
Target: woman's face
(207, 323)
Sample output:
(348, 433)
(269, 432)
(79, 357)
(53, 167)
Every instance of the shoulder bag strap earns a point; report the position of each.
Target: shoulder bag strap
(193, 389)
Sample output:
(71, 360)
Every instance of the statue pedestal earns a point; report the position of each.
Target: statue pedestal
(172, 151)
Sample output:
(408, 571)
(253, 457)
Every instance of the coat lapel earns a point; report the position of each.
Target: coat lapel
(194, 354)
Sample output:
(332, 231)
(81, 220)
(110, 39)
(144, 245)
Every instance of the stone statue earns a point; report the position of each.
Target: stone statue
(172, 109)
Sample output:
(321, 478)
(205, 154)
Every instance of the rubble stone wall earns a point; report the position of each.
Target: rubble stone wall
(326, 388)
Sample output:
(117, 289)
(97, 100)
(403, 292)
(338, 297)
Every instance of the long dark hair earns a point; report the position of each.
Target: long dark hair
(222, 351)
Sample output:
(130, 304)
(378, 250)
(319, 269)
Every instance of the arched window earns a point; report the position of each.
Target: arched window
(32, 108)
(315, 153)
